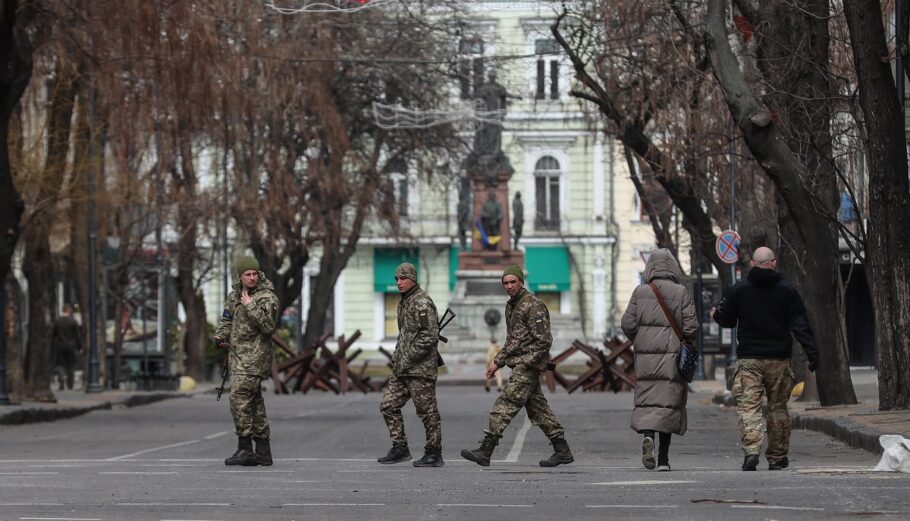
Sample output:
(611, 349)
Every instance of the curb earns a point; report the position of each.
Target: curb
(37, 415)
(841, 429)
(40, 415)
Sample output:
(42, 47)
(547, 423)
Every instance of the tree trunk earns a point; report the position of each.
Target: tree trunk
(812, 240)
(188, 219)
(38, 264)
(15, 73)
(39, 271)
(888, 242)
(330, 267)
(15, 376)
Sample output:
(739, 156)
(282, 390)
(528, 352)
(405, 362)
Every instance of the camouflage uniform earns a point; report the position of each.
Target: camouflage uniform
(753, 379)
(414, 371)
(248, 332)
(526, 351)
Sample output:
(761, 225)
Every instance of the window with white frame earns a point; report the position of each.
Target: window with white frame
(399, 177)
(546, 191)
(547, 74)
(470, 66)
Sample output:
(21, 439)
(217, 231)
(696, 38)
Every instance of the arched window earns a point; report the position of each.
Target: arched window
(546, 190)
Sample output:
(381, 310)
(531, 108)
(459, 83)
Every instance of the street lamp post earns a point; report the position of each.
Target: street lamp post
(93, 385)
(699, 310)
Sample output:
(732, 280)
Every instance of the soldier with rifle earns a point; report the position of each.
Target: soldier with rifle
(415, 365)
(249, 318)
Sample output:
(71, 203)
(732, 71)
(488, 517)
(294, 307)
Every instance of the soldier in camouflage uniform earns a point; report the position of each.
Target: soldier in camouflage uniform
(246, 326)
(414, 369)
(766, 310)
(527, 352)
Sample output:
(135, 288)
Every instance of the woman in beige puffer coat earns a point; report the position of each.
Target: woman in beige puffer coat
(660, 393)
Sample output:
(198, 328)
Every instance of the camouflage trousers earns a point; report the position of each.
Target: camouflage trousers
(523, 390)
(422, 391)
(248, 407)
(753, 380)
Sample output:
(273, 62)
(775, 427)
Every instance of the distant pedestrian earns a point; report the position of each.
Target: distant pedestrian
(66, 342)
(492, 351)
(766, 310)
(660, 392)
(527, 352)
(415, 366)
(249, 318)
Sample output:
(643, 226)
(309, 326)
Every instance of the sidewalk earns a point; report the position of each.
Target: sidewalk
(857, 425)
(76, 403)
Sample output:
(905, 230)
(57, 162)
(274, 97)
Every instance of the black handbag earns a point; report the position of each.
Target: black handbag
(687, 357)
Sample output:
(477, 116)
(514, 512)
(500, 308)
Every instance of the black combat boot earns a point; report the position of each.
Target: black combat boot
(263, 452)
(663, 453)
(431, 458)
(750, 462)
(397, 454)
(244, 455)
(481, 456)
(561, 454)
(780, 464)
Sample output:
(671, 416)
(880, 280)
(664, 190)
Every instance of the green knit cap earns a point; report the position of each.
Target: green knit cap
(246, 263)
(406, 270)
(516, 270)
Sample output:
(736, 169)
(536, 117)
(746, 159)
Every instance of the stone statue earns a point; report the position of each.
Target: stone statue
(518, 217)
(486, 158)
(491, 217)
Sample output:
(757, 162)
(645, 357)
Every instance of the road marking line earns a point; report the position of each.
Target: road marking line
(481, 505)
(138, 473)
(777, 507)
(631, 506)
(28, 473)
(154, 449)
(60, 518)
(519, 442)
(189, 520)
(170, 465)
(333, 505)
(173, 504)
(216, 435)
(31, 504)
(374, 470)
(645, 482)
(328, 409)
(255, 471)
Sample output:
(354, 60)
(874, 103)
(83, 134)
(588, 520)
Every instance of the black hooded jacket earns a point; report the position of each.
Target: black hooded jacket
(765, 309)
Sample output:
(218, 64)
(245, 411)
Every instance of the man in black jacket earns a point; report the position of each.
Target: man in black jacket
(766, 309)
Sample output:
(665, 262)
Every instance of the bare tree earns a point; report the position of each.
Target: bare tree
(788, 133)
(888, 244)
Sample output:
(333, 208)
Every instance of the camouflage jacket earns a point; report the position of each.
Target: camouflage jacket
(248, 329)
(416, 352)
(528, 337)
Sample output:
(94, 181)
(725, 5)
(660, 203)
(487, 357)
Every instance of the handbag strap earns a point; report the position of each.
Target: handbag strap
(663, 306)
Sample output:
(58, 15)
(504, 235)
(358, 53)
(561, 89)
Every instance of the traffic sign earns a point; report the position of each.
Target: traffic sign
(727, 246)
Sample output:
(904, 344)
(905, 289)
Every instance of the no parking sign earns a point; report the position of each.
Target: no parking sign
(727, 246)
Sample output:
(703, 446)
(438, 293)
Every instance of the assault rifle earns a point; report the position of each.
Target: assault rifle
(444, 320)
(224, 370)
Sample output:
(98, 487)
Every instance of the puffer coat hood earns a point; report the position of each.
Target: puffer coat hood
(662, 265)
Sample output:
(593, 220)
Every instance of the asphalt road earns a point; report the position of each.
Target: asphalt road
(165, 462)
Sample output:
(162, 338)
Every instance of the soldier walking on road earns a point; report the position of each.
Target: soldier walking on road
(527, 352)
(765, 309)
(414, 370)
(249, 318)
